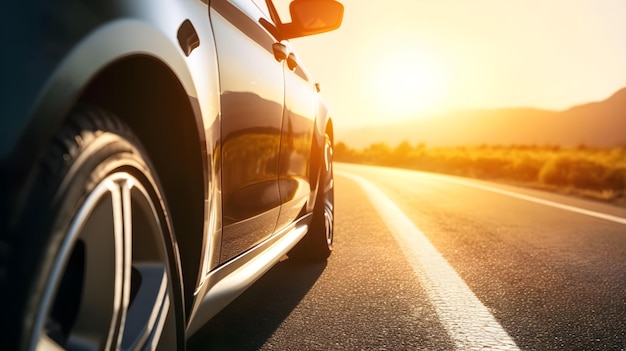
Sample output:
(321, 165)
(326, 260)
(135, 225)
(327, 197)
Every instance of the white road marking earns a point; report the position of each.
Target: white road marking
(467, 321)
(535, 199)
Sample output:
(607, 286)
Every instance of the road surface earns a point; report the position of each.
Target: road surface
(430, 262)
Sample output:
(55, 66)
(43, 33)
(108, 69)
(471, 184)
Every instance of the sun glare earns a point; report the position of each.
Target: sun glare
(408, 83)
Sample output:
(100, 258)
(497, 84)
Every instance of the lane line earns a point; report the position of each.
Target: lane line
(468, 322)
(579, 210)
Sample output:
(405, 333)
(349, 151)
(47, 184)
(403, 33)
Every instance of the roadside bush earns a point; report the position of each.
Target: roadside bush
(567, 171)
(599, 170)
(525, 168)
(490, 166)
(555, 171)
(341, 152)
(615, 179)
(586, 174)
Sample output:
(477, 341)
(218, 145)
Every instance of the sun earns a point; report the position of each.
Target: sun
(408, 83)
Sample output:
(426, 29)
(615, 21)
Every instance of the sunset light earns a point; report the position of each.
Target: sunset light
(406, 83)
(398, 59)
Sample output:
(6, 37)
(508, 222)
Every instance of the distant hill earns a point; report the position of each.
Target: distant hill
(594, 124)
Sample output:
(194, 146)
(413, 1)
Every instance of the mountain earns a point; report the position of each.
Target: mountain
(594, 124)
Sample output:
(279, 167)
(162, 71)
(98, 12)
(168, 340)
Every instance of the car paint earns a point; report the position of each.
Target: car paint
(54, 68)
(252, 94)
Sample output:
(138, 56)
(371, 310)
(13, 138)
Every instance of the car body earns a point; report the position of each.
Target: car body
(157, 157)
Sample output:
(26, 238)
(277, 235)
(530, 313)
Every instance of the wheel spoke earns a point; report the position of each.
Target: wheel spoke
(149, 307)
(330, 185)
(329, 192)
(125, 186)
(45, 343)
(102, 235)
(146, 315)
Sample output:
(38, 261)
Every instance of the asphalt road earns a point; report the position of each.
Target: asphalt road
(429, 262)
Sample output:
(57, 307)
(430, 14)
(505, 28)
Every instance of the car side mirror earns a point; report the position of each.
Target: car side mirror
(310, 17)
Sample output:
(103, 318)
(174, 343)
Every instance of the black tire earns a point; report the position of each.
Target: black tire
(93, 262)
(317, 244)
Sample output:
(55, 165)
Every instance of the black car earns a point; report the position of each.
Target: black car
(157, 157)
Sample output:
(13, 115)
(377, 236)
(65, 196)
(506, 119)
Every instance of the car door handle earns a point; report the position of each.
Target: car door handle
(292, 61)
(280, 52)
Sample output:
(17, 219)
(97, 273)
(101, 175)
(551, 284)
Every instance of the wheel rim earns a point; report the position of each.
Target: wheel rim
(109, 286)
(329, 192)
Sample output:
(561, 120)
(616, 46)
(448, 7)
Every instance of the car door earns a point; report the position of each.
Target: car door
(252, 100)
(295, 148)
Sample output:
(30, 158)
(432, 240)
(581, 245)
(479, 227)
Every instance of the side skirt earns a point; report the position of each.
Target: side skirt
(227, 282)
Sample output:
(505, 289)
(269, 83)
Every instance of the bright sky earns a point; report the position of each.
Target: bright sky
(399, 59)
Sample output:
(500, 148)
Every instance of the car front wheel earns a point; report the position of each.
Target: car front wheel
(94, 259)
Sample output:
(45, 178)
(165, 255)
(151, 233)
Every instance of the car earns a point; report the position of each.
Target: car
(157, 157)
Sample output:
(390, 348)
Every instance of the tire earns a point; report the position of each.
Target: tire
(317, 244)
(93, 264)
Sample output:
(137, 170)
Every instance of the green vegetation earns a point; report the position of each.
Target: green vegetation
(595, 172)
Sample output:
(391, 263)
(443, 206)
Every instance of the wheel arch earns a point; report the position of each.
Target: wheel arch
(323, 126)
(330, 130)
(145, 94)
(131, 68)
